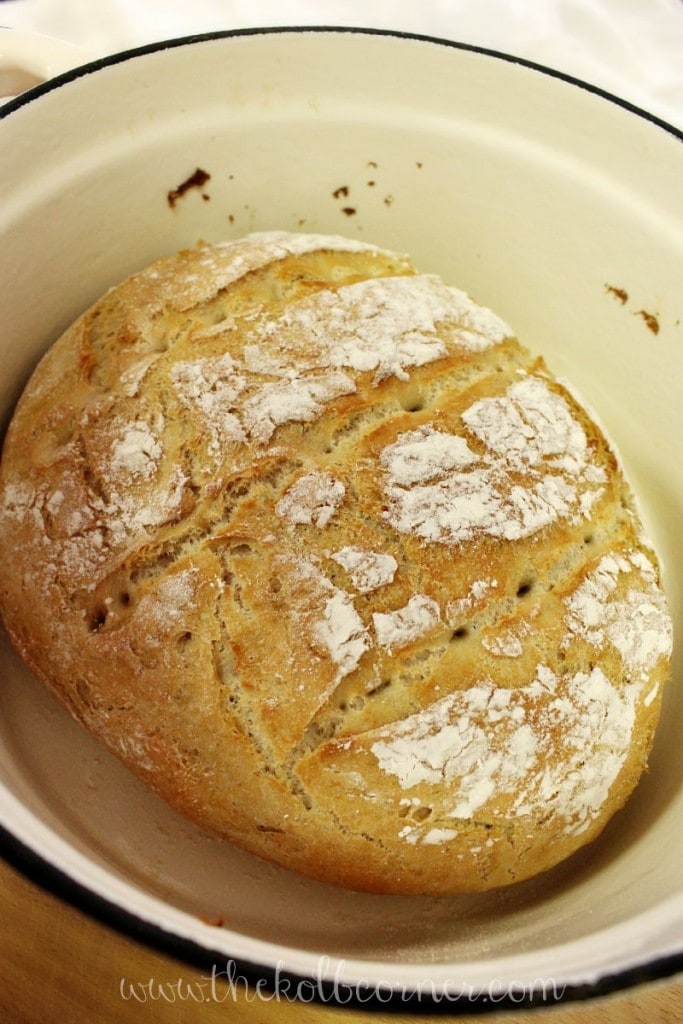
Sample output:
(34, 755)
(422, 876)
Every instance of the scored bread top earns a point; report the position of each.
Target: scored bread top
(317, 548)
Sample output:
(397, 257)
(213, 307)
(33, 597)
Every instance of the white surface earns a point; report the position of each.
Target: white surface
(507, 168)
(633, 48)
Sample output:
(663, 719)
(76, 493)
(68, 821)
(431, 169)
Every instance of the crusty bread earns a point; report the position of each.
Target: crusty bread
(314, 546)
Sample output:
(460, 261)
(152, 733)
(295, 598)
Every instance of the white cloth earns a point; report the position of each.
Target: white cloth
(631, 48)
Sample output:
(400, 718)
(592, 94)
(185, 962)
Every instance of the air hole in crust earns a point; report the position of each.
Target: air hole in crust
(184, 638)
(588, 538)
(124, 598)
(412, 401)
(97, 620)
(460, 633)
(83, 691)
(525, 587)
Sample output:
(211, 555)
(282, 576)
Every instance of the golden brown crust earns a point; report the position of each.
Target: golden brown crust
(317, 549)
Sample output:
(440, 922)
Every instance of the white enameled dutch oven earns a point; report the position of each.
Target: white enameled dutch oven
(560, 207)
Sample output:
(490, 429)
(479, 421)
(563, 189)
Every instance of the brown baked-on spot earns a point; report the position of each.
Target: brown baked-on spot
(651, 320)
(197, 179)
(618, 293)
(349, 210)
(214, 922)
(341, 192)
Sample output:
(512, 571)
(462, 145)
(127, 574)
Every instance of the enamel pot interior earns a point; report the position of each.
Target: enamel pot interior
(560, 208)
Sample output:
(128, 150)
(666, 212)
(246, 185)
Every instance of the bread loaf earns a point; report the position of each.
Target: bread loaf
(315, 547)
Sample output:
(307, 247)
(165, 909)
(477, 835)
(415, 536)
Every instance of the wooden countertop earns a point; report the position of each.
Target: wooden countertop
(58, 966)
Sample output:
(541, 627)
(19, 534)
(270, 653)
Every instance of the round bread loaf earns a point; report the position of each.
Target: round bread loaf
(315, 547)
